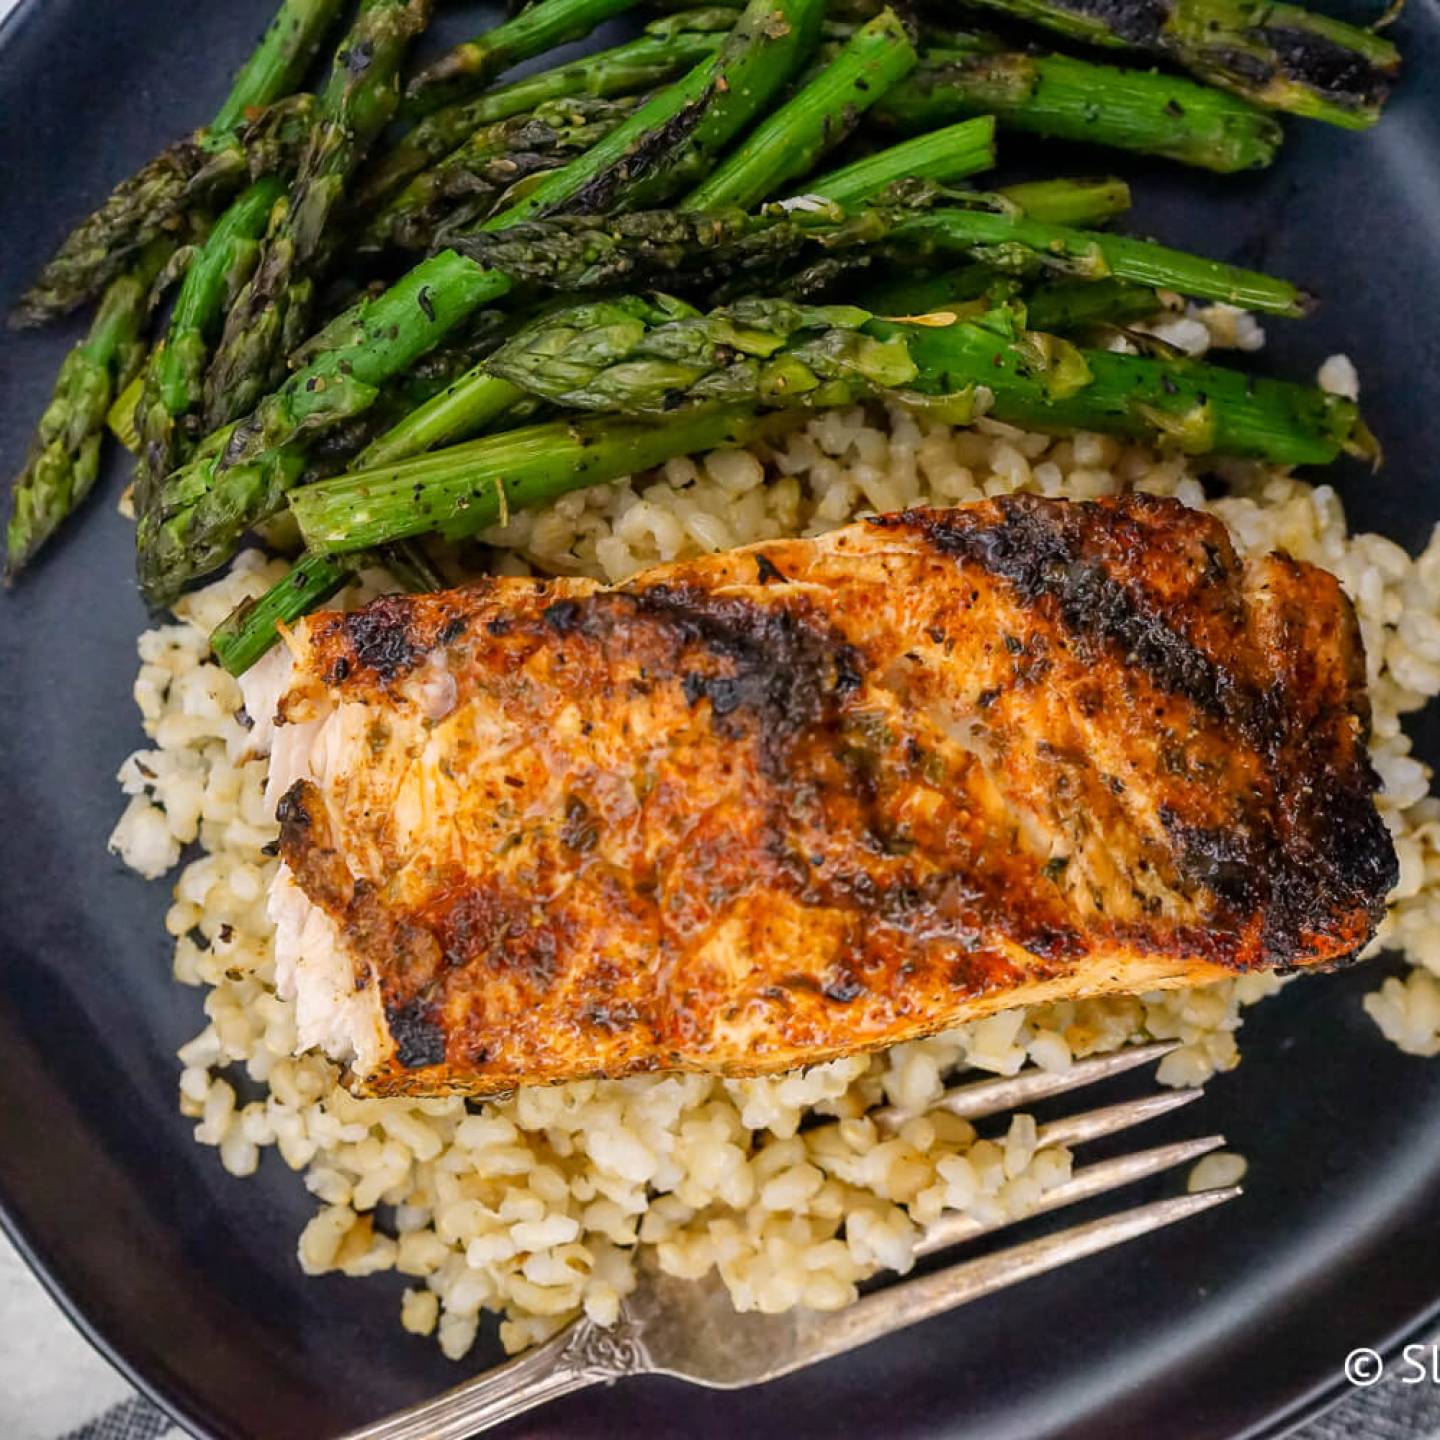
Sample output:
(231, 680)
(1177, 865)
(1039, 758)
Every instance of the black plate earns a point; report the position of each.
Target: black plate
(1234, 1325)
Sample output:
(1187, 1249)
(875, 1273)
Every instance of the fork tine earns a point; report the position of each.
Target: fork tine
(990, 1097)
(956, 1226)
(910, 1301)
(1111, 1119)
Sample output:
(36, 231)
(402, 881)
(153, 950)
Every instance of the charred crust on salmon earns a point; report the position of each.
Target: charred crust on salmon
(949, 763)
(1040, 550)
(419, 1037)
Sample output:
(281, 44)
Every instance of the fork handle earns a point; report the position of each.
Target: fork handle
(556, 1368)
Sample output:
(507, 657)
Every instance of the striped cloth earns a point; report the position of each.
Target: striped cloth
(132, 1419)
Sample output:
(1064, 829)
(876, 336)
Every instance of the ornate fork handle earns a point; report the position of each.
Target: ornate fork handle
(583, 1354)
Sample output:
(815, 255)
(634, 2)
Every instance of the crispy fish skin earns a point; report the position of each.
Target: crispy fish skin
(813, 797)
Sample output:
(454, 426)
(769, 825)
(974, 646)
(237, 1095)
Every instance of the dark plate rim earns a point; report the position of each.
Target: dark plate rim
(114, 1351)
(187, 1409)
(1305, 1408)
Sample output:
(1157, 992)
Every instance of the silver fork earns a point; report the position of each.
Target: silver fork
(689, 1329)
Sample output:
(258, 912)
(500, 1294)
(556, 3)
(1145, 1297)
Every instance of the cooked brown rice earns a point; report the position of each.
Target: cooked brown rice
(533, 1206)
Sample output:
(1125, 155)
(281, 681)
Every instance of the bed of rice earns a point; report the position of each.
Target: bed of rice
(532, 1207)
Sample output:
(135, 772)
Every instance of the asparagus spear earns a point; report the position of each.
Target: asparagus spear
(271, 311)
(458, 492)
(1067, 202)
(173, 379)
(662, 358)
(673, 140)
(241, 475)
(65, 456)
(468, 404)
(949, 154)
(626, 70)
(248, 631)
(468, 68)
(465, 187)
(1280, 56)
(816, 119)
(205, 166)
(676, 248)
(1067, 99)
(1050, 385)
(1020, 242)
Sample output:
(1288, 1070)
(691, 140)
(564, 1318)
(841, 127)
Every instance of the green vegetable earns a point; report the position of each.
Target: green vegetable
(171, 387)
(1283, 57)
(1057, 306)
(205, 167)
(944, 155)
(674, 139)
(675, 249)
(464, 189)
(240, 476)
(816, 119)
(64, 457)
(1063, 98)
(468, 68)
(272, 311)
(626, 70)
(463, 490)
(250, 629)
(665, 360)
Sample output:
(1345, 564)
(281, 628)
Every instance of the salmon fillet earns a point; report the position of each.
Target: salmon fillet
(772, 806)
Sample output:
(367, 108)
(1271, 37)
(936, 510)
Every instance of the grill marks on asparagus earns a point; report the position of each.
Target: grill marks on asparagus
(652, 153)
(240, 478)
(1317, 61)
(195, 172)
(1056, 96)
(64, 460)
(271, 315)
(467, 186)
(628, 69)
(671, 142)
(1277, 55)
(683, 249)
